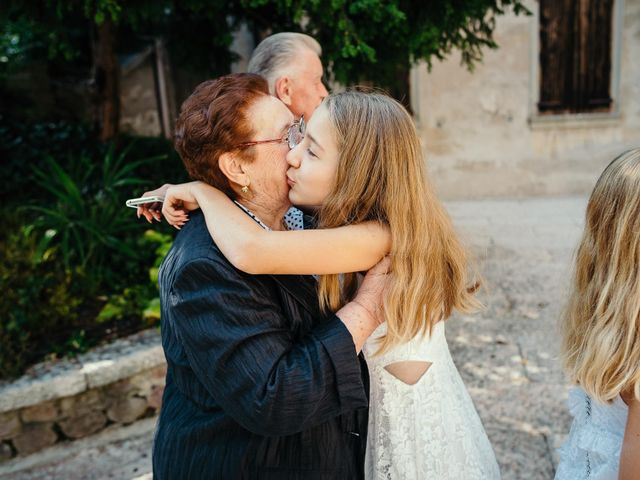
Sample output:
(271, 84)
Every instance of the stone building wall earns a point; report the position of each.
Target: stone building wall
(483, 137)
(139, 109)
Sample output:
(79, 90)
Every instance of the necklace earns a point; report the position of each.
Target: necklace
(252, 215)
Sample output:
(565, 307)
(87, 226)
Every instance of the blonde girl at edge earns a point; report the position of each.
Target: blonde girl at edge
(601, 332)
(360, 168)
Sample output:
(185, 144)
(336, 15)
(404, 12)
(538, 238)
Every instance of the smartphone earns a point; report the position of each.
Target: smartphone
(136, 202)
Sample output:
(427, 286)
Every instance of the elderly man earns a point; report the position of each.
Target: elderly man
(290, 62)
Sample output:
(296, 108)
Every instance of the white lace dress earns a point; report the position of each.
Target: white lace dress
(429, 430)
(592, 449)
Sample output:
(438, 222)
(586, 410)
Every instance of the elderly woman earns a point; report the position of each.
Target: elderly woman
(259, 384)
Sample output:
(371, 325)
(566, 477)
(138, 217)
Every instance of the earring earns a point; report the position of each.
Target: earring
(245, 189)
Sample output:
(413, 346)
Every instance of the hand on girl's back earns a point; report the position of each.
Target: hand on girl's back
(371, 292)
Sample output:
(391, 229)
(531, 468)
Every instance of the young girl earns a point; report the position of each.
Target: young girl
(601, 332)
(359, 167)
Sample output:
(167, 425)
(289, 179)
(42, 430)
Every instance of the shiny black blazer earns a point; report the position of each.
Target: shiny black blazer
(259, 383)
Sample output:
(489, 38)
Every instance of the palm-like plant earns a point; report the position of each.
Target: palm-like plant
(87, 219)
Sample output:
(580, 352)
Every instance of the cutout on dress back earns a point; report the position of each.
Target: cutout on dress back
(409, 372)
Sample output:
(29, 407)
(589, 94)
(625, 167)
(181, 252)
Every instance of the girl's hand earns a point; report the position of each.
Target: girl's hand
(151, 211)
(178, 200)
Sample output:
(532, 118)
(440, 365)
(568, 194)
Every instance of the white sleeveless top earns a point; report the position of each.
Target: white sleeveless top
(592, 449)
(429, 430)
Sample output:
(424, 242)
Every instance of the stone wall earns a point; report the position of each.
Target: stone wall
(116, 384)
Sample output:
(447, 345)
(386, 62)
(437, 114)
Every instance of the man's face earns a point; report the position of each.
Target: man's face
(307, 89)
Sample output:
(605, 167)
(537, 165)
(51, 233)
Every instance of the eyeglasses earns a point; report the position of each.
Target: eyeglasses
(294, 135)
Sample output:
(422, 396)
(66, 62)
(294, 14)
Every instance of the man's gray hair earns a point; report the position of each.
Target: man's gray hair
(277, 52)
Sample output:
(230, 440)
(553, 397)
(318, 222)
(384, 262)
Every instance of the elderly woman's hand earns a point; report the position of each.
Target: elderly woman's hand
(151, 211)
(371, 292)
(178, 200)
(365, 312)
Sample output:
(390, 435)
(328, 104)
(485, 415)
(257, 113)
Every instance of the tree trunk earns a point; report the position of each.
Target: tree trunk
(401, 91)
(106, 81)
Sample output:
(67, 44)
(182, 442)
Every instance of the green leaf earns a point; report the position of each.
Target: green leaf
(109, 311)
(151, 313)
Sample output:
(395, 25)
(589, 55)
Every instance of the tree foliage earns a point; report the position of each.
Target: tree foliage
(375, 41)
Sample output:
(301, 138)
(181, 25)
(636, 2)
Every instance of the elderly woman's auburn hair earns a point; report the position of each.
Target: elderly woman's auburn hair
(212, 121)
(601, 323)
(381, 176)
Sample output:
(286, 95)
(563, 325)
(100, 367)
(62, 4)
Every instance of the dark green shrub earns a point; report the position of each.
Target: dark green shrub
(27, 145)
(77, 267)
(38, 303)
(141, 299)
(131, 302)
(86, 217)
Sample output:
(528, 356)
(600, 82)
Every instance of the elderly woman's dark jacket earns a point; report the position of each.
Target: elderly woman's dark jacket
(259, 383)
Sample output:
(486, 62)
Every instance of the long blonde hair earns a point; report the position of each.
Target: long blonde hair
(601, 324)
(381, 176)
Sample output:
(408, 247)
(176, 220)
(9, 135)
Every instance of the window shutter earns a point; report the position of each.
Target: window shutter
(575, 55)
